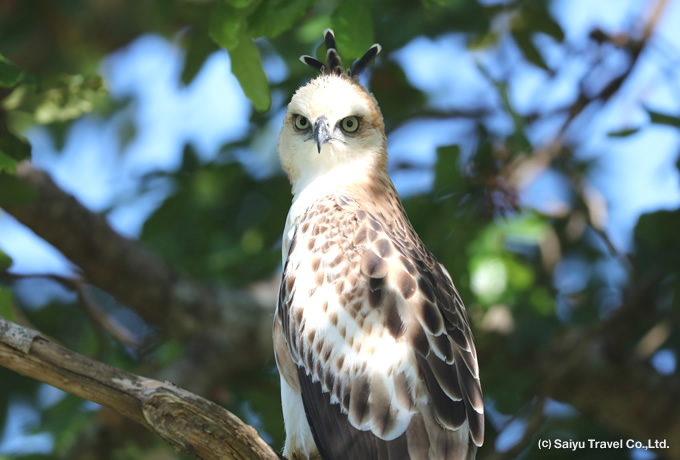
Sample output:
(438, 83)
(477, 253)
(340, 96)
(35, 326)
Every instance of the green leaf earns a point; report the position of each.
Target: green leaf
(483, 41)
(6, 304)
(272, 18)
(624, 132)
(226, 25)
(518, 141)
(539, 20)
(311, 30)
(12, 150)
(353, 27)
(199, 48)
(241, 3)
(63, 98)
(529, 50)
(167, 352)
(246, 65)
(7, 163)
(389, 79)
(5, 261)
(655, 239)
(660, 118)
(10, 75)
(13, 191)
(447, 173)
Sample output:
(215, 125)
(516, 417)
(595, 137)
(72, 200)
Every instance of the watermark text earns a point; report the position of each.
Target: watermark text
(574, 445)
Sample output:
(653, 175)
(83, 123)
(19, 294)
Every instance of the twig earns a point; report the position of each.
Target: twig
(101, 320)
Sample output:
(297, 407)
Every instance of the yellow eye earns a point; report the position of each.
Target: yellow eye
(350, 124)
(301, 122)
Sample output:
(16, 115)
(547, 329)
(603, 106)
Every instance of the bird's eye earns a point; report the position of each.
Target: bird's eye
(350, 124)
(301, 122)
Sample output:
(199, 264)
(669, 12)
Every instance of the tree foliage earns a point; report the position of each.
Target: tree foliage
(570, 325)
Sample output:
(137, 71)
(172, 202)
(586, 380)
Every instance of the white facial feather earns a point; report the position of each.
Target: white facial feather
(347, 155)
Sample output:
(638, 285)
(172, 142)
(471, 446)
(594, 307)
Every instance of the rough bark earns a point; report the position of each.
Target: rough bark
(189, 423)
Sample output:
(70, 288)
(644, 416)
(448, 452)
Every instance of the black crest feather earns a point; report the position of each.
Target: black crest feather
(333, 63)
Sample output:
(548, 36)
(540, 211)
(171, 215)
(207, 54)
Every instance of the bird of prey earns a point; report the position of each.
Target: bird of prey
(372, 340)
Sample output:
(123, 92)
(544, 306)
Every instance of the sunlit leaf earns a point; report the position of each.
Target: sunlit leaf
(489, 278)
(7, 163)
(353, 27)
(272, 18)
(68, 97)
(6, 296)
(311, 30)
(226, 26)
(525, 228)
(246, 65)
(520, 275)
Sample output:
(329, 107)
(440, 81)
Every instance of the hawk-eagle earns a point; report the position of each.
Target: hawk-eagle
(372, 340)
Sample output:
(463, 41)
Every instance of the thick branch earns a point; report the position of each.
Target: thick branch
(141, 280)
(121, 266)
(188, 422)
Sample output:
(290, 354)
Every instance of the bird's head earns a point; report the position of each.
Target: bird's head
(333, 127)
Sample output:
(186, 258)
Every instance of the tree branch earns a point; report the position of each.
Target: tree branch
(189, 423)
(527, 170)
(120, 266)
(227, 319)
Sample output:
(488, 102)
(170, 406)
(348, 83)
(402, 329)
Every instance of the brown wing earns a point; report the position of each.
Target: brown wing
(386, 363)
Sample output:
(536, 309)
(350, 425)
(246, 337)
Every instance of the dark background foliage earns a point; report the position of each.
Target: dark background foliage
(576, 330)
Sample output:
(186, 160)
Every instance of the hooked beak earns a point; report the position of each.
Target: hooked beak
(321, 133)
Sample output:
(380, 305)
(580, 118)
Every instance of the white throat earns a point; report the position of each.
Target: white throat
(314, 184)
